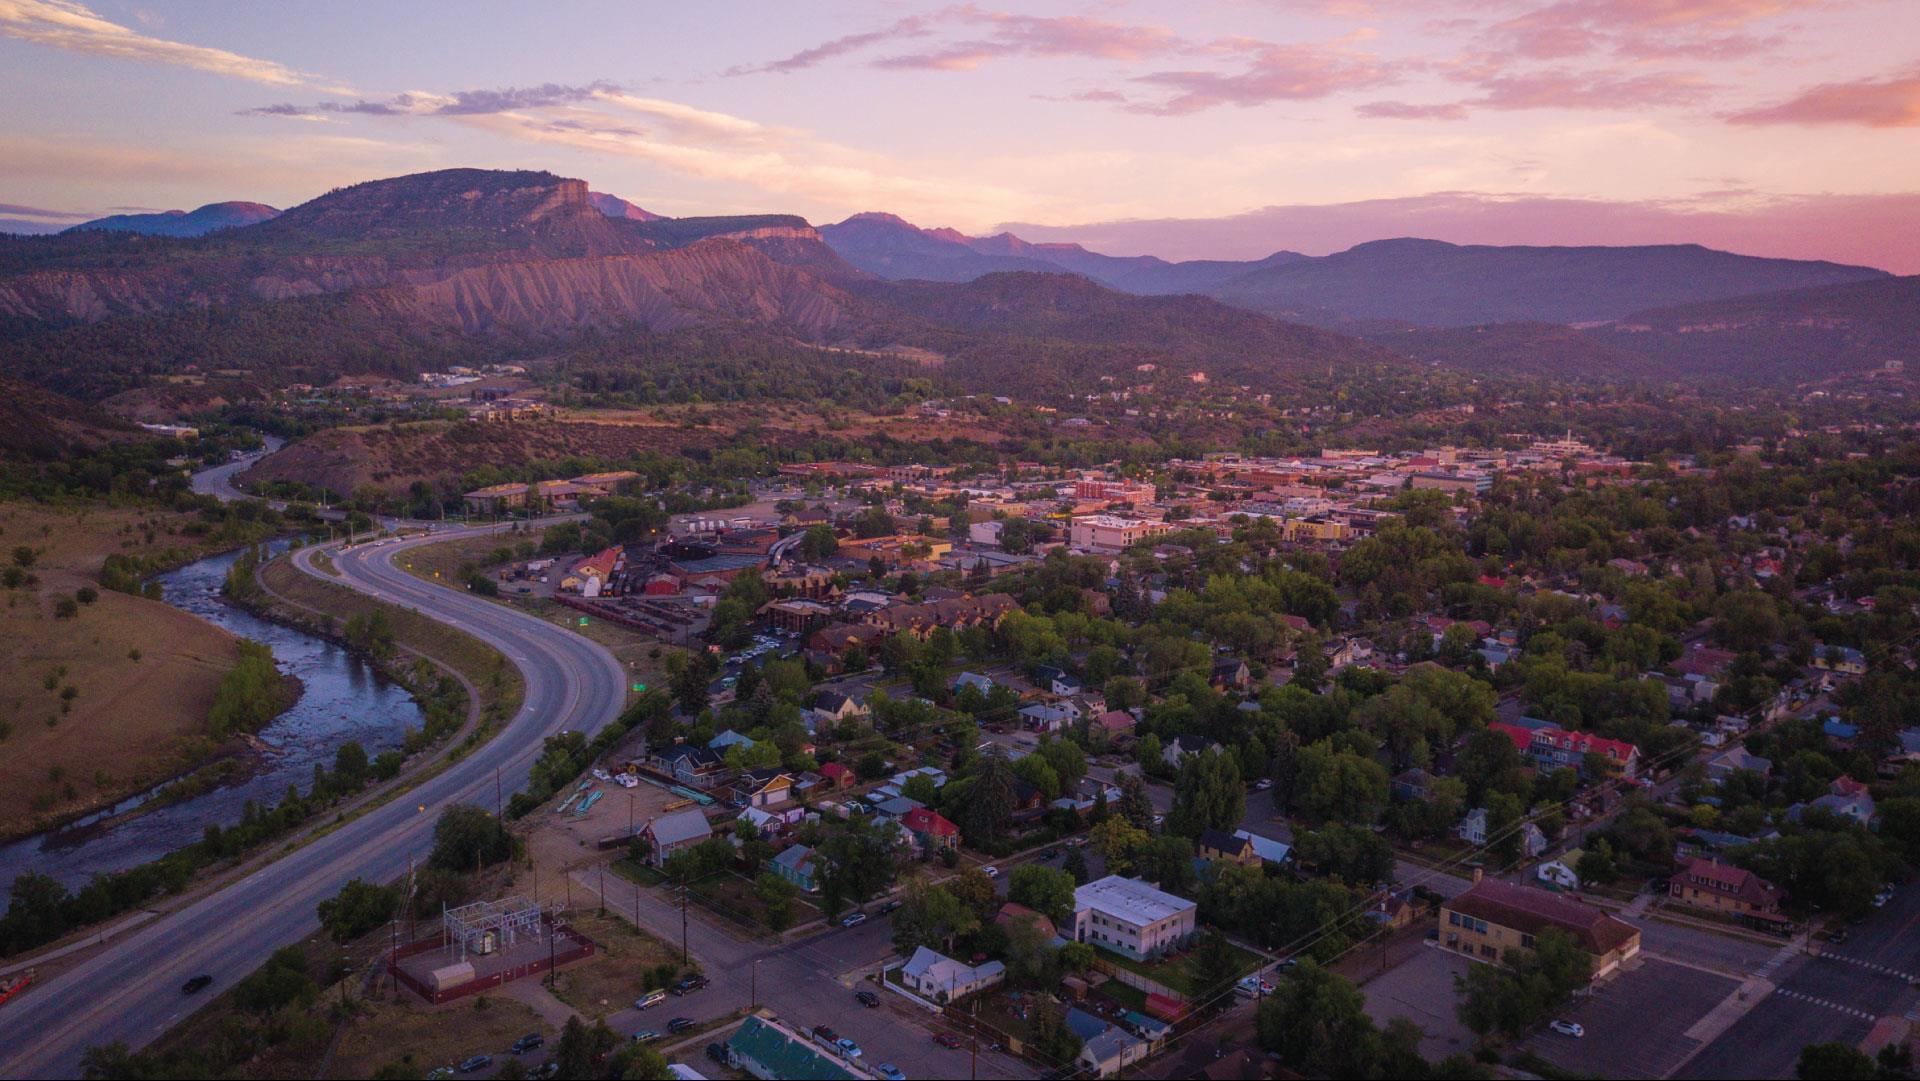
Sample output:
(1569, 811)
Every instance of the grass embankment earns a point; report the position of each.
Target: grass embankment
(100, 698)
(336, 611)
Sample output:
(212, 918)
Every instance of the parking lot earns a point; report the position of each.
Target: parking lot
(1421, 989)
(1636, 1023)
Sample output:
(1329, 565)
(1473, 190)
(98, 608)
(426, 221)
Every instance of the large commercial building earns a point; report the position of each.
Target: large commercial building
(1494, 917)
(1131, 918)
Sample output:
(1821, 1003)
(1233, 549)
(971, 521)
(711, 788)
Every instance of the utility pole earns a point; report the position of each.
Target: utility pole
(753, 1000)
(499, 807)
(603, 889)
(973, 1027)
(683, 924)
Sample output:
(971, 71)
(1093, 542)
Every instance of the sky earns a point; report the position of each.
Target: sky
(1223, 129)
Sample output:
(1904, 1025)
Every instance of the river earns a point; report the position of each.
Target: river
(342, 699)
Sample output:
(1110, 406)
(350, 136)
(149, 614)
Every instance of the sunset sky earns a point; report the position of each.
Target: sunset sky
(1229, 129)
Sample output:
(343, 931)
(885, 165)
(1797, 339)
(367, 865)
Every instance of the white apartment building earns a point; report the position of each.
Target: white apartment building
(1131, 918)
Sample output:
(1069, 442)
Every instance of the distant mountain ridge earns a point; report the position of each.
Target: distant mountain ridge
(1403, 281)
(615, 207)
(206, 219)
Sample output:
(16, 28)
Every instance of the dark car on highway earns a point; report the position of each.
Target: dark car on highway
(195, 985)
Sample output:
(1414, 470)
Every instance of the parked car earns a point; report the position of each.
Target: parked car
(689, 985)
(854, 920)
(947, 1040)
(717, 1052)
(528, 1042)
(826, 1035)
(476, 1064)
(847, 1047)
(649, 1000)
(867, 999)
(1567, 1028)
(196, 985)
(891, 1072)
(990, 871)
(680, 1024)
(891, 906)
(645, 1035)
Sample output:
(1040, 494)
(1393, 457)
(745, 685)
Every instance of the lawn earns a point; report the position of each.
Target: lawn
(142, 673)
(1172, 970)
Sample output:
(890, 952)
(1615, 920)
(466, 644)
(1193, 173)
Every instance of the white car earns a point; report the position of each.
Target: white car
(990, 871)
(1567, 1028)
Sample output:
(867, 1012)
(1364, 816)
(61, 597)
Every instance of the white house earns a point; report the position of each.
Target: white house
(943, 979)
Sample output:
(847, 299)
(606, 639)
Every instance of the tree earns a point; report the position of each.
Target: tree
(856, 862)
(1135, 807)
(1076, 865)
(1043, 889)
(991, 799)
(1338, 784)
(1834, 1062)
(1212, 969)
(930, 915)
(1209, 794)
(818, 543)
(1120, 844)
(359, 907)
(468, 837)
(776, 896)
(1316, 1022)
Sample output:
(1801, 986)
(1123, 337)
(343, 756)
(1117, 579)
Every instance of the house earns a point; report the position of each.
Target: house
(972, 679)
(1553, 748)
(1268, 849)
(764, 787)
(942, 979)
(1473, 830)
(795, 864)
(1230, 673)
(1562, 872)
(1040, 717)
(1410, 784)
(1839, 732)
(1116, 722)
(1734, 759)
(836, 776)
(1219, 846)
(697, 767)
(727, 739)
(1721, 887)
(1840, 659)
(1393, 909)
(769, 1050)
(1848, 799)
(1493, 917)
(1057, 681)
(931, 830)
(1131, 918)
(670, 833)
(832, 707)
(1183, 745)
(1105, 1048)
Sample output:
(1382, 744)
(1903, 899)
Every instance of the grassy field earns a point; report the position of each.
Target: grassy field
(142, 674)
(421, 1038)
(612, 978)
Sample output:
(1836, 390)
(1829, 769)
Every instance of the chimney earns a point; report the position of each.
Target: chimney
(1477, 872)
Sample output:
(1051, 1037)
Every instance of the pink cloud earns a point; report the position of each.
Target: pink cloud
(1400, 110)
(1004, 34)
(838, 47)
(1587, 90)
(1874, 230)
(1643, 29)
(1276, 73)
(1875, 103)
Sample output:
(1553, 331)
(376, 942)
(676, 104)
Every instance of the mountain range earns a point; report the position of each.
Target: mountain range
(397, 274)
(184, 222)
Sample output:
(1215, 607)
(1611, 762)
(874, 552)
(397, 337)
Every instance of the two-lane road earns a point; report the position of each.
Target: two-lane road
(130, 990)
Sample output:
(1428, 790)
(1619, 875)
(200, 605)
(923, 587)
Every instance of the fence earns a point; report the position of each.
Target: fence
(581, 946)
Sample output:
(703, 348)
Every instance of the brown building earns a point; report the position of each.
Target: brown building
(1720, 887)
(1494, 917)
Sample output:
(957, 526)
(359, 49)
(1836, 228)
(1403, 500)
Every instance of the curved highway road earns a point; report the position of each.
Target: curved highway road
(130, 990)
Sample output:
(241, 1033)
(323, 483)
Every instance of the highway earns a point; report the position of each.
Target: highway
(130, 990)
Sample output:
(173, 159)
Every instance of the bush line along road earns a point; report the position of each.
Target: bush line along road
(130, 990)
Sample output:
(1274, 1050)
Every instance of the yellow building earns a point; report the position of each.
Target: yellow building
(1494, 917)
